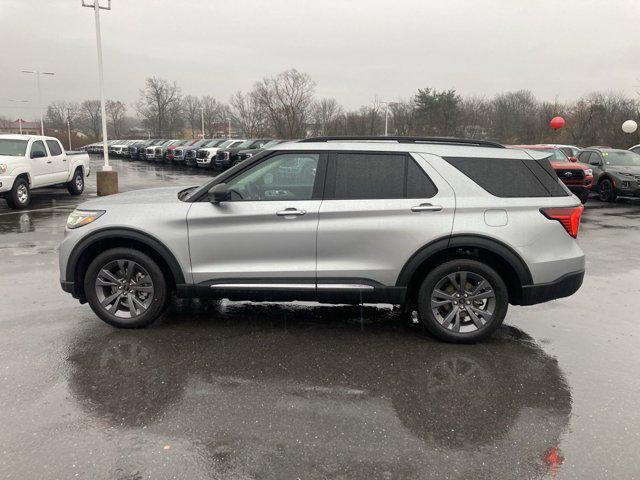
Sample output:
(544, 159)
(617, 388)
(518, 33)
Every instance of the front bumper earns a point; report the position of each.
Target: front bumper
(564, 286)
(6, 183)
(627, 187)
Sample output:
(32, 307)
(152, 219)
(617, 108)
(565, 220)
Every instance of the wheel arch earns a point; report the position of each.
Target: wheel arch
(496, 254)
(101, 240)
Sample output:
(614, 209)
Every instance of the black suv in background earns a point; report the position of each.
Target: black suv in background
(227, 157)
(132, 151)
(615, 172)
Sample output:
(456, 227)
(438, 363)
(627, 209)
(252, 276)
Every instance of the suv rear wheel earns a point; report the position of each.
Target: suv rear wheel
(462, 301)
(126, 288)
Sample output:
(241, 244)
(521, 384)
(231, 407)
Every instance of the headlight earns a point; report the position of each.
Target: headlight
(3, 168)
(79, 218)
(588, 172)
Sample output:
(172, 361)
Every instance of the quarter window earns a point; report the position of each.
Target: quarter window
(376, 176)
(288, 176)
(54, 148)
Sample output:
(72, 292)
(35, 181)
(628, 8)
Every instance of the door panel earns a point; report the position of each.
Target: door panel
(250, 240)
(373, 238)
(42, 167)
(267, 229)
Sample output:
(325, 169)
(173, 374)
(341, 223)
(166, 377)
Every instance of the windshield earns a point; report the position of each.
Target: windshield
(245, 144)
(225, 144)
(557, 155)
(213, 143)
(15, 148)
(622, 158)
(272, 143)
(200, 143)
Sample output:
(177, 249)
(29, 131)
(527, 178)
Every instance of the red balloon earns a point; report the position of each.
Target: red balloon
(556, 123)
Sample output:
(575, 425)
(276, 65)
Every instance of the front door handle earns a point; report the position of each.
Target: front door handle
(290, 211)
(426, 207)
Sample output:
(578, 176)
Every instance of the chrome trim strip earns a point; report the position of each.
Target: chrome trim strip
(266, 286)
(291, 286)
(343, 286)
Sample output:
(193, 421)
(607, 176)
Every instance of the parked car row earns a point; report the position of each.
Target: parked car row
(212, 153)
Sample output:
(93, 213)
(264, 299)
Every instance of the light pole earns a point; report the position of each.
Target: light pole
(107, 179)
(202, 118)
(69, 132)
(19, 118)
(229, 128)
(386, 117)
(37, 73)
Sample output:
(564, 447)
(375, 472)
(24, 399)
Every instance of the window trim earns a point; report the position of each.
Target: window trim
(318, 185)
(330, 180)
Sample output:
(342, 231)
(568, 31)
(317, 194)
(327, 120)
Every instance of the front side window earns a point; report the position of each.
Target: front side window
(54, 148)
(376, 176)
(289, 176)
(38, 146)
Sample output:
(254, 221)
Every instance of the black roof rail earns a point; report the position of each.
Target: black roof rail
(430, 140)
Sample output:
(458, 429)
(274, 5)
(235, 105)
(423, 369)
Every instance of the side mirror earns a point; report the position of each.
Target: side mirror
(219, 193)
(573, 159)
(38, 154)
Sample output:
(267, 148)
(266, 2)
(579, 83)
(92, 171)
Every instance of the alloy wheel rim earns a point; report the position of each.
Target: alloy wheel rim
(124, 288)
(79, 182)
(463, 302)
(605, 190)
(22, 194)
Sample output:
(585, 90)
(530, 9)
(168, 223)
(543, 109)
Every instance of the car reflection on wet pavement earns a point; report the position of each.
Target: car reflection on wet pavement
(278, 391)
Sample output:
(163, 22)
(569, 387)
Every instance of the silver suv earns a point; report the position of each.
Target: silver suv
(453, 229)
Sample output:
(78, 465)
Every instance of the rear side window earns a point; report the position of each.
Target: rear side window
(54, 148)
(376, 176)
(511, 178)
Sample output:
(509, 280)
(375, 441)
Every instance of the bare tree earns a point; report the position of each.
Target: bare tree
(216, 115)
(91, 118)
(248, 115)
(160, 106)
(287, 101)
(58, 113)
(192, 113)
(116, 111)
(327, 117)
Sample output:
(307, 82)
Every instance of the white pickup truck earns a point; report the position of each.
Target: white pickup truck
(34, 161)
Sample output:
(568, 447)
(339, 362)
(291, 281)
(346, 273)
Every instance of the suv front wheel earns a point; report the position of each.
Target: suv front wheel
(126, 288)
(462, 301)
(607, 191)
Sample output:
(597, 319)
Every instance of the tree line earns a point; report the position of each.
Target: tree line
(286, 106)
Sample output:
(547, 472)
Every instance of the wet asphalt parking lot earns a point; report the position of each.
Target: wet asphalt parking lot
(286, 391)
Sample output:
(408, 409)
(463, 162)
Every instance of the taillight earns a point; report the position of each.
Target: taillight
(568, 217)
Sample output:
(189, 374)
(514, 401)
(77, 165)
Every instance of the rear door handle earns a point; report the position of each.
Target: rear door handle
(290, 211)
(426, 207)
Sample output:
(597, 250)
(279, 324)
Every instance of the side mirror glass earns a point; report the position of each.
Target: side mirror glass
(38, 154)
(219, 193)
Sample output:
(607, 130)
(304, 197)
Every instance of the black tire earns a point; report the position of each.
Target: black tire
(607, 191)
(157, 300)
(76, 185)
(19, 196)
(478, 270)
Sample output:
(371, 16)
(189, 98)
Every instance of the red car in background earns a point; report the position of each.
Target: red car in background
(577, 176)
(169, 153)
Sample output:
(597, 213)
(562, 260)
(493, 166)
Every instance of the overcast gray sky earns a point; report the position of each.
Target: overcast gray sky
(354, 49)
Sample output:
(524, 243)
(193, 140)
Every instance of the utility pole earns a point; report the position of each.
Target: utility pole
(229, 129)
(69, 132)
(108, 178)
(37, 73)
(202, 118)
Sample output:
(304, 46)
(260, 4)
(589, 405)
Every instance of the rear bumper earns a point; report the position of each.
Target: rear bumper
(564, 286)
